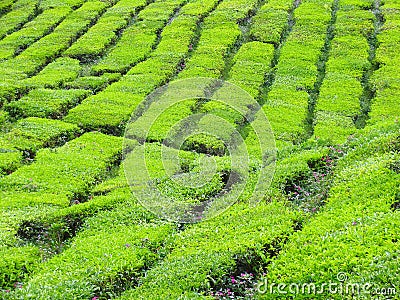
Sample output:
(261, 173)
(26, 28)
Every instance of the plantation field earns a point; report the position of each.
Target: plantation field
(199, 149)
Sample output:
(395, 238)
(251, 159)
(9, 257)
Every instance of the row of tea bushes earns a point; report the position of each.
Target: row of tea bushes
(297, 70)
(338, 104)
(116, 103)
(358, 226)
(138, 40)
(386, 79)
(32, 31)
(95, 41)
(49, 47)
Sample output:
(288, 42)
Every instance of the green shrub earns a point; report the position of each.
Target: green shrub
(56, 73)
(16, 264)
(119, 255)
(296, 74)
(116, 103)
(45, 103)
(104, 32)
(137, 41)
(251, 64)
(11, 158)
(338, 104)
(31, 134)
(21, 12)
(270, 22)
(206, 252)
(386, 79)
(70, 170)
(5, 6)
(162, 120)
(332, 127)
(94, 83)
(50, 46)
(32, 31)
(356, 226)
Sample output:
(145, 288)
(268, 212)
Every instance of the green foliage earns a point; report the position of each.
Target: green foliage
(163, 119)
(31, 134)
(126, 94)
(94, 83)
(137, 41)
(70, 170)
(197, 8)
(69, 226)
(11, 158)
(56, 73)
(104, 32)
(112, 109)
(356, 226)
(251, 65)
(204, 253)
(5, 6)
(220, 33)
(16, 264)
(271, 22)
(118, 253)
(49, 47)
(296, 72)
(178, 186)
(338, 104)
(45, 103)
(333, 127)
(32, 31)
(21, 12)
(386, 79)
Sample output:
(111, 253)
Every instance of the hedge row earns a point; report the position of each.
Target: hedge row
(165, 111)
(250, 66)
(230, 106)
(338, 104)
(32, 219)
(271, 21)
(287, 103)
(173, 189)
(12, 70)
(386, 79)
(68, 171)
(11, 158)
(31, 134)
(164, 117)
(49, 4)
(32, 31)
(45, 103)
(253, 60)
(18, 259)
(10, 85)
(16, 264)
(50, 46)
(94, 42)
(56, 73)
(357, 228)
(94, 83)
(219, 35)
(21, 12)
(5, 6)
(116, 103)
(103, 259)
(207, 252)
(137, 41)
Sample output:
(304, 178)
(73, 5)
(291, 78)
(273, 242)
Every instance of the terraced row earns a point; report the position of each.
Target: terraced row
(314, 68)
